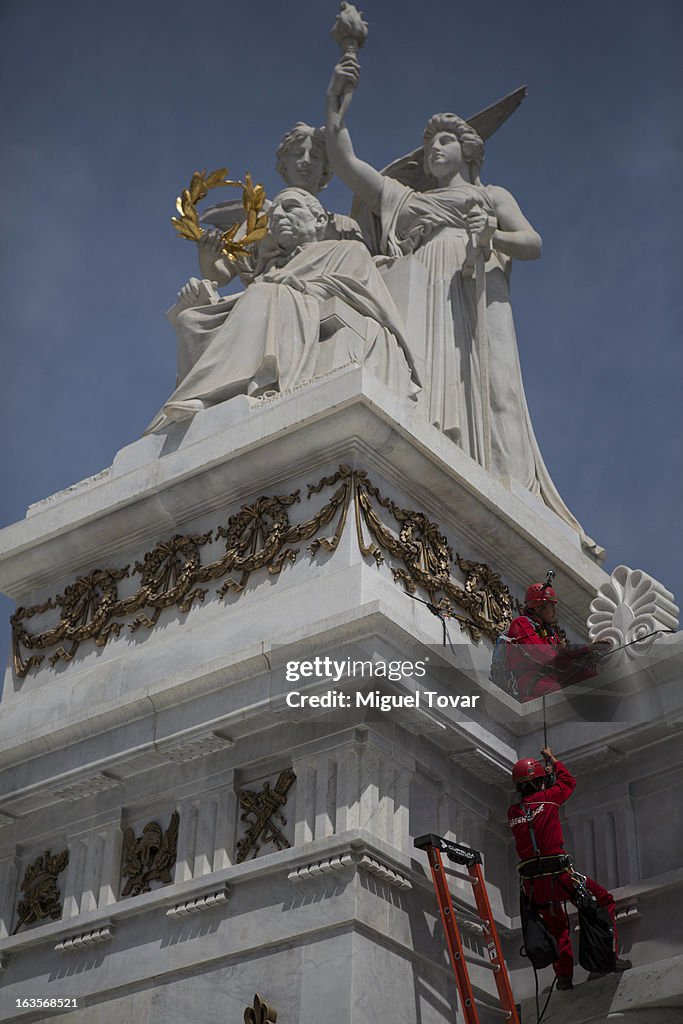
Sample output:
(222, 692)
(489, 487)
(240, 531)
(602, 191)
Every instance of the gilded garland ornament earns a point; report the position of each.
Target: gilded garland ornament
(261, 536)
(253, 198)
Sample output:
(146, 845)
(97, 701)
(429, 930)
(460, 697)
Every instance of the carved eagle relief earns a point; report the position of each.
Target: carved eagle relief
(149, 857)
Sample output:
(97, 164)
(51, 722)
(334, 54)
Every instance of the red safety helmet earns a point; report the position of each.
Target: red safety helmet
(539, 593)
(527, 770)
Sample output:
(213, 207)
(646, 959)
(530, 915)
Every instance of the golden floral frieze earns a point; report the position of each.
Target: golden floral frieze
(260, 536)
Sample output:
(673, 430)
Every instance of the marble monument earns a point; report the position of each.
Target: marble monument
(230, 706)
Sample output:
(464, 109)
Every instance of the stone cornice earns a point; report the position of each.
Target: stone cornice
(226, 451)
(170, 897)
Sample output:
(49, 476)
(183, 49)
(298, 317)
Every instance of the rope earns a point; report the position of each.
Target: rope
(540, 1017)
(442, 619)
(441, 616)
(600, 654)
(540, 1014)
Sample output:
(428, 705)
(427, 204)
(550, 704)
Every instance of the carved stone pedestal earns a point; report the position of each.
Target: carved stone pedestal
(165, 613)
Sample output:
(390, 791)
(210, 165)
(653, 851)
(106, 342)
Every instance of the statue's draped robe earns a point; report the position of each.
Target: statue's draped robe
(431, 225)
(269, 338)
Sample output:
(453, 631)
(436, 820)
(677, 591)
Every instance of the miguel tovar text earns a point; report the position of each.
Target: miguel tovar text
(380, 701)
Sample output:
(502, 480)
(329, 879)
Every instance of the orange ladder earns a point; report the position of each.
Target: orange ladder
(471, 859)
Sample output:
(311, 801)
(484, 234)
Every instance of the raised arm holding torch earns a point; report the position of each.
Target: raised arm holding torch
(349, 32)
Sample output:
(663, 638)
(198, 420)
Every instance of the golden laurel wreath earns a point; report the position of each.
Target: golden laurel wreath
(253, 197)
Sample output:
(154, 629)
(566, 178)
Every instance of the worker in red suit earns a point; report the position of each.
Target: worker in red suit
(545, 868)
(537, 653)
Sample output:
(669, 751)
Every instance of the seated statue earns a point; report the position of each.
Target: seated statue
(267, 338)
(302, 162)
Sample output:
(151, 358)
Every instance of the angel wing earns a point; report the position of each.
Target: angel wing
(409, 169)
(489, 120)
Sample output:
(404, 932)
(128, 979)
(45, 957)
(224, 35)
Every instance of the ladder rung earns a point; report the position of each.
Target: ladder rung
(469, 916)
(474, 926)
(460, 874)
(505, 1014)
(455, 852)
(478, 962)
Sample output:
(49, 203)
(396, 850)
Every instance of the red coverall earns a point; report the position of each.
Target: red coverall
(540, 660)
(549, 893)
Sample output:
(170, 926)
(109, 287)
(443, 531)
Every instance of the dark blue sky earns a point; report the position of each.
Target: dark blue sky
(108, 107)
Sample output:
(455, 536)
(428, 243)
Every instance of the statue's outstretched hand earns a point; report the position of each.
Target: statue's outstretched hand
(345, 75)
(210, 253)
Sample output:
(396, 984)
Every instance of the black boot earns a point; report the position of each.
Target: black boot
(622, 965)
(564, 982)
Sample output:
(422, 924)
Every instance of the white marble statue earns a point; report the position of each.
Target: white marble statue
(268, 338)
(302, 162)
(472, 380)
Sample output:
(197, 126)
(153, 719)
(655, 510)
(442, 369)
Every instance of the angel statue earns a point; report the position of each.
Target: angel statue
(433, 205)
